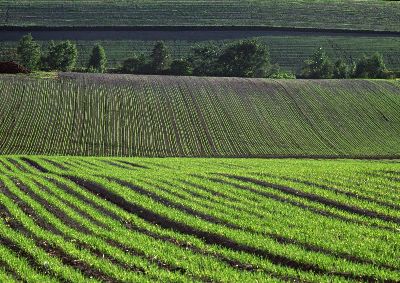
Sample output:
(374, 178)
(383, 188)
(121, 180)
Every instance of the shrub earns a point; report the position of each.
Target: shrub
(181, 67)
(28, 52)
(246, 58)
(160, 58)
(371, 67)
(62, 56)
(98, 60)
(319, 66)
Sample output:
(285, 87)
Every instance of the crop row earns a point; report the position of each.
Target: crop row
(225, 220)
(171, 116)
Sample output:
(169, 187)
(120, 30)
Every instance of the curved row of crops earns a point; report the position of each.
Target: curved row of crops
(224, 220)
(106, 115)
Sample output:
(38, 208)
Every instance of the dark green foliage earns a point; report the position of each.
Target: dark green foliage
(204, 60)
(319, 66)
(160, 58)
(247, 58)
(138, 64)
(341, 70)
(371, 67)
(28, 52)
(180, 67)
(62, 56)
(98, 60)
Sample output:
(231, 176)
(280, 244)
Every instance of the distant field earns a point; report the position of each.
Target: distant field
(339, 14)
(198, 220)
(125, 115)
(288, 49)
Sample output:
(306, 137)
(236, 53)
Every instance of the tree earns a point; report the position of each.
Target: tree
(98, 60)
(319, 66)
(180, 67)
(160, 58)
(341, 70)
(62, 56)
(136, 65)
(247, 58)
(28, 52)
(204, 60)
(371, 67)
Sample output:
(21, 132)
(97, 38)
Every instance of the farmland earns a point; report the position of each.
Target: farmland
(339, 14)
(126, 115)
(288, 49)
(223, 220)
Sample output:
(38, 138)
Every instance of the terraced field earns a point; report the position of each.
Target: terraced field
(338, 14)
(126, 115)
(289, 50)
(193, 220)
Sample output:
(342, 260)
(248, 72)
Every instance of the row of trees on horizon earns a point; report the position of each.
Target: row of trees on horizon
(244, 58)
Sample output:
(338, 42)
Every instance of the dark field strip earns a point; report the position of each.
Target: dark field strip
(202, 220)
(346, 15)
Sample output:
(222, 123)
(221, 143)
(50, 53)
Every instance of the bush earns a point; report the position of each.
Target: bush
(62, 56)
(319, 66)
(246, 58)
(12, 68)
(98, 60)
(28, 52)
(204, 60)
(371, 67)
(341, 70)
(180, 67)
(160, 58)
(136, 65)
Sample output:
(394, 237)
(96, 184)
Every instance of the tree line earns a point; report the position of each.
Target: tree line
(244, 58)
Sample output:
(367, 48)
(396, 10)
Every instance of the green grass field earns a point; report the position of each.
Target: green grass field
(286, 50)
(321, 14)
(198, 220)
(126, 115)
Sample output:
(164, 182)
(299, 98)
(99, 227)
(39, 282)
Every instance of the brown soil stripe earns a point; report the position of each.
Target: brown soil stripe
(130, 226)
(207, 237)
(52, 209)
(5, 166)
(83, 198)
(35, 165)
(29, 211)
(71, 205)
(303, 206)
(10, 272)
(52, 229)
(317, 198)
(116, 164)
(133, 164)
(336, 190)
(17, 165)
(172, 204)
(55, 164)
(17, 226)
(312, 248)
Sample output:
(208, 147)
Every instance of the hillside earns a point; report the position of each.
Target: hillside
(124, 115)
(339, 14)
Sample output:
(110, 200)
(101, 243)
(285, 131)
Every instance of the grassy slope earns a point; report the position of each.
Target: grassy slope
(178, 116)
(339, 14)
(185, 220)
(288, 51)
